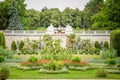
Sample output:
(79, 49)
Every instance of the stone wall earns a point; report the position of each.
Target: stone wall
(17, 37)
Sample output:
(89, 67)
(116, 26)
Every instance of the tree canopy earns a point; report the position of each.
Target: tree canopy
(97, 14)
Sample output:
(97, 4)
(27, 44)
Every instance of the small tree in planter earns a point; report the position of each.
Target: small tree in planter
(4, 72)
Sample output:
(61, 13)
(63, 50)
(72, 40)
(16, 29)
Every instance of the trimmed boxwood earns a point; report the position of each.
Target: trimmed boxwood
(97, 45)
(21, 44)
(115, 40)
(106, 45)
(13, 45)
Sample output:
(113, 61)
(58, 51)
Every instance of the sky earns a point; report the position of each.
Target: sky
(61, 4)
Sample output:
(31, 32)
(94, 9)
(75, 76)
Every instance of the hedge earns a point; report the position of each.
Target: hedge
(2, 39)
(115, 40)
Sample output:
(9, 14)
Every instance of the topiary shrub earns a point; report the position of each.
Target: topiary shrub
(13, 45)
(97, 45)
(106, 45)
(2, 39)
(2, 59)
(4, 72)
(33, 59)
(115, 40)
(21, 44)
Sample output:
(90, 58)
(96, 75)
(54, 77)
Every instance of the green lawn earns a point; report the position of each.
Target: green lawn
(34, 74)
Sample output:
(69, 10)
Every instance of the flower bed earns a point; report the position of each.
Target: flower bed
(39, 62)
(27, 65)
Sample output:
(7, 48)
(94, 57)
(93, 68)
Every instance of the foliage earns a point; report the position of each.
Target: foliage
(101, 73)
(13, 46)
(4, 8)
(56, 17)
(32, 19)
(106, 45)
(33, 59)
(14, 20)
(30, 47)
(53, 65)
(2, 39)
(111, 62)
(2, 59)
(115, 40)
(6, 53)
(108, 53)
(4, 72)
(95, 51)
(52, 50)
(108, 17)
(91, 8)
(58, 56)
(47, 40)
(97, 45)
(21, 44)
(86, 46)
(97, 14)
(76, 59)
(71, 41)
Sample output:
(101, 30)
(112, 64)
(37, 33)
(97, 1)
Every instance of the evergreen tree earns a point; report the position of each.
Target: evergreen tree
(14, 20)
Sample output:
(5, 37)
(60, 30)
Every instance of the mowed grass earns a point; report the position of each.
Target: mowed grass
(34, 74)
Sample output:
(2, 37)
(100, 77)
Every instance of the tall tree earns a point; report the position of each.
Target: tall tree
(109, 16)
(21, 7)
(14, 20)
(4, 17)
(92, 7)
(32, 19)
(5, 9)
(45, 17)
